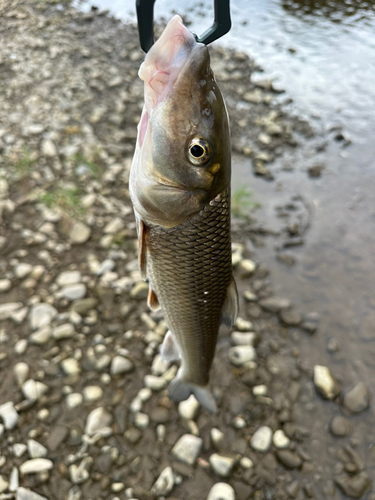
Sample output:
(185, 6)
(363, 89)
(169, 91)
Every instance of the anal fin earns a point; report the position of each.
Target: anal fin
(142, 252)
(152, 300)
(230, 307)
(169, 350)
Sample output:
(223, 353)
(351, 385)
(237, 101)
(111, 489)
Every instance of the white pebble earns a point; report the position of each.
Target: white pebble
(280, 440)
(36, 465)
(188, 409)
(261, 439)
(92, 393)
(221, 491)
(33, 389)
(241, 354)
(187, 448)
(21, 372)
(73, 400)
(35, 449)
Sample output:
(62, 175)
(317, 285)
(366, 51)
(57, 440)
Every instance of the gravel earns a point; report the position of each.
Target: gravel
(357, 399)
(262, 439)
(187, 448)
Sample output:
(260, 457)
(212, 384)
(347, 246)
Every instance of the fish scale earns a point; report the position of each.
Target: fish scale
(184, 262)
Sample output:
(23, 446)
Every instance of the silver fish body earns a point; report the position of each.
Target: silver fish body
(180, 188)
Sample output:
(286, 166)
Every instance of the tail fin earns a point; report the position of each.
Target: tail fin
(179, 390)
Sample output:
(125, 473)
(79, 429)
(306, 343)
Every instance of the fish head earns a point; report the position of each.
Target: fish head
(182, 158)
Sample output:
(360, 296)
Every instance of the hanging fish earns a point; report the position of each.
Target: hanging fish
(180, 189)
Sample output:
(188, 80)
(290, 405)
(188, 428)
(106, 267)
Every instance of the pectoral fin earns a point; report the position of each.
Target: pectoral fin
(152, 300)
(230, 307)
(142, 252)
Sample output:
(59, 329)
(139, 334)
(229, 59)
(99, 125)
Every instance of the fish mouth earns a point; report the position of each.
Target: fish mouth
(165, 61)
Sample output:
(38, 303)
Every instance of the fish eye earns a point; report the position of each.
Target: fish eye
(199, 151)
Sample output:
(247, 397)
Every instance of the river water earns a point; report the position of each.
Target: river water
(323, 54)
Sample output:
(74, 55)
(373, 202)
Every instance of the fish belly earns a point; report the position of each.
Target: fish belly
(189, 268)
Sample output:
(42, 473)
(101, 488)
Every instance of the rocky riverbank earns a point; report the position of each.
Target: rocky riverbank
(84, 412)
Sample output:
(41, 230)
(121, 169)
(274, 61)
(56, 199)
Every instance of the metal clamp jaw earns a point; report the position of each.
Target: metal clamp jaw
(145, 14)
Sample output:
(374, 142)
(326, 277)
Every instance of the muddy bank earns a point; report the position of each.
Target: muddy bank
(83, 405)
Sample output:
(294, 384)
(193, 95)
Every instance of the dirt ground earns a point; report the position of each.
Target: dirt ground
(84, 411)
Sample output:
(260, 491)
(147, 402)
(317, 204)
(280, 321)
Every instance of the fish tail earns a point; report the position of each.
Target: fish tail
(180, 390)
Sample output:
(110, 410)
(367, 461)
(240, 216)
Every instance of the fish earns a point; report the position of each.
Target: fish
(179, 185)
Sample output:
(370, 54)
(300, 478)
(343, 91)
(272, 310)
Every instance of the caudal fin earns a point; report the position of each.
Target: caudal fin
(180, 390)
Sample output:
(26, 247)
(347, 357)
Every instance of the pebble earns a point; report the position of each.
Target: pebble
(19, 449)
(221, 491)
(280, 440)
(114, 226)
(33, 389)
(14, 479)
(325, 383)
(98, 421)
(41, 336)
(72, 292)
(73, 400)
(121, 365)
(159, 415)
(221, 464)
(141, 420)
(9, 415)
(36, 465)
(70, 366)
(68, 278)
(217, 437)
(243, 325)
(22, 270)
(65, 331)
(188, 409)
(165, 483)
(246, 463)
(92, 393)
(241, 354)
(244, 338)
(353, 486)
(105, 267)
(19, 315)
(48, 148)
(79, 233)
(20, 347)
(80, 473)
(82, 306)
(21, 372)
(155, 383)
(35, 449)
(260, 390)
(290, 318)
(187, 448)
(246, 268)
(5, 285)
(7, 309)
(357, 399)
(261, 439)
(25, 494)
(159, 366)
(41, 314)
(274, 304)
(3, 485)
(340, 426)
(139, 291)
(288, 459)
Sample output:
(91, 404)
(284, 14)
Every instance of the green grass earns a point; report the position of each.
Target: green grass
(67, 200)
(95, 169)
(242, 203)
(22, 166)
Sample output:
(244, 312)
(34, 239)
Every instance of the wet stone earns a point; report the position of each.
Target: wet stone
(340, 426)
(133, 435)
(288, 458)
(357, 399)
(353, 486)
(221, 491)
(159, 415)
(290, 318)
(274, 304)
(325, 383)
